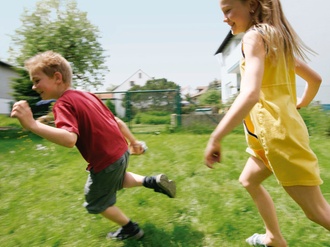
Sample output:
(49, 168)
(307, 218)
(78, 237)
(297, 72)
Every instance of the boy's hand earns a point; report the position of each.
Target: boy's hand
(22, 111)
(137, 148)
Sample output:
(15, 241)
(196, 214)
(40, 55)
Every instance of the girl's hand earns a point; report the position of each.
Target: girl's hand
(212, 153)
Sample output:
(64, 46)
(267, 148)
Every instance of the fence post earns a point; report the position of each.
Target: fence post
(128, 109)
(178, 106)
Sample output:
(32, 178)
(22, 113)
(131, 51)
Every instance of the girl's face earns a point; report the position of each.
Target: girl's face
(237, 14)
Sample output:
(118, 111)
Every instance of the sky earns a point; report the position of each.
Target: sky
(175, 39)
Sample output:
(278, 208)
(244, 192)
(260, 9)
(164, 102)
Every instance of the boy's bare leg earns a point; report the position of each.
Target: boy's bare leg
(132, 180)
(253, 174)
(114, 214)
(312, 202)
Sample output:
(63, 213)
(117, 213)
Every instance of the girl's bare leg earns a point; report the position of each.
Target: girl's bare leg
(312, 202)
(253, 174)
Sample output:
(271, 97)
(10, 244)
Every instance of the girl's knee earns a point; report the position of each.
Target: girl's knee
(244, 182)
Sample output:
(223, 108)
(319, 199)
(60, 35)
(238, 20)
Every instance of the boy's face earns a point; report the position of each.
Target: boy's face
(46, 87)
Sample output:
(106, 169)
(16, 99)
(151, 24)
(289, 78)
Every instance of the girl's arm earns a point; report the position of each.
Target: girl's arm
(22, 111)
(313, 82)
(249, 95)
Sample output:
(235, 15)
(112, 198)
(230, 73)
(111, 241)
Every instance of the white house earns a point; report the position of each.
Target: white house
(138, 78)
(7, 72)
(229, 55)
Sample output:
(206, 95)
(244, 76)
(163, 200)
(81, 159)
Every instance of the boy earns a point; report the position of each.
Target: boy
(82, 120)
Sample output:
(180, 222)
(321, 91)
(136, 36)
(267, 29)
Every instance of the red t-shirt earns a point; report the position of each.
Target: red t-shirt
(100, 140)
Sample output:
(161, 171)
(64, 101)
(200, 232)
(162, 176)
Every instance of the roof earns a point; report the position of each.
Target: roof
(140, 70)
(104, 96)
(224, 43)
(5, 64)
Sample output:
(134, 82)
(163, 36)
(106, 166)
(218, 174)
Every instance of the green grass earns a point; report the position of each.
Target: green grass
(41, 196)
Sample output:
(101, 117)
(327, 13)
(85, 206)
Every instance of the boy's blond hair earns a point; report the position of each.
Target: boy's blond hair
(278, 34)
(50, 62)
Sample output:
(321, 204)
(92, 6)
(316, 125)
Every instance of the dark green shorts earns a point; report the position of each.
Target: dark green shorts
(101, 188)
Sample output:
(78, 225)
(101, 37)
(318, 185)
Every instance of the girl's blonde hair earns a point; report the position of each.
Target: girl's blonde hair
(50, 62)
(278, 34)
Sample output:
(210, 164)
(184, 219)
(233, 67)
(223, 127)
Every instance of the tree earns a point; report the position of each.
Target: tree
(59, 26)
(211, 98)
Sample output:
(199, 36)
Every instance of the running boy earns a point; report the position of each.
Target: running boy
(82, 120)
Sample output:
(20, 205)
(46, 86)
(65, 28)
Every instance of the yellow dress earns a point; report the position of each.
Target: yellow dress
(275, 131)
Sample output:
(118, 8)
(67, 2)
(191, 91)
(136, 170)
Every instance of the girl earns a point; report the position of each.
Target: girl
(277, 137)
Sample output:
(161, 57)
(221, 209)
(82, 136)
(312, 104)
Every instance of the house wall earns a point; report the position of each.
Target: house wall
(6, 75)
(229, 68)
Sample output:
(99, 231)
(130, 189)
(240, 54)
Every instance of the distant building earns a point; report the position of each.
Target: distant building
(7, 72)
(117, 95)
(199, 92)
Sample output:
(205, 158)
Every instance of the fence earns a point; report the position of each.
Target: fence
(148, 110)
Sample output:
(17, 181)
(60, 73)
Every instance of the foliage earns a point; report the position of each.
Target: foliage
(155, 95)
(210, 98)
(316, 119)
(111, 106)
(215, 85)
(188, 108)
(156, 84)
(63, 29)
(152, 118)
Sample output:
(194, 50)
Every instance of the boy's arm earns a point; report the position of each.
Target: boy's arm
(126, 131)
(313, 82)
(23, 113)
(135, 146)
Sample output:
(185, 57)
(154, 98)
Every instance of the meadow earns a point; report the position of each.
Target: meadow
(41, 196)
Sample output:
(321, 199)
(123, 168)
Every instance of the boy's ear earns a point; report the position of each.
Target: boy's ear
(58, 77)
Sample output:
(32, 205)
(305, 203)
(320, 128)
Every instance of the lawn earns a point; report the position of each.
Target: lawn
(41, 194)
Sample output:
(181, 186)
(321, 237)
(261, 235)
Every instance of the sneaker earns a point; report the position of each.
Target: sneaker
(256, 240)
(165, 186)
(123, 234)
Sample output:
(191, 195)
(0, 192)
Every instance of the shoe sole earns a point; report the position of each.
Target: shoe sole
(167, 185)
(137, 236)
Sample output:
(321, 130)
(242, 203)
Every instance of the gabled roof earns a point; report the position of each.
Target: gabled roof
(140, 70)
(224, 43)
(5, 64)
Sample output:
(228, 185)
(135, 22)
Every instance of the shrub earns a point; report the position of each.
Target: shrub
(111, 106)
(316, 119)
(147, 118)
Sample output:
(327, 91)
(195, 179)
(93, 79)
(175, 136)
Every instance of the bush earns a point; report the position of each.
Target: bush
(111, 106)
(316, 119)
(147, 118)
